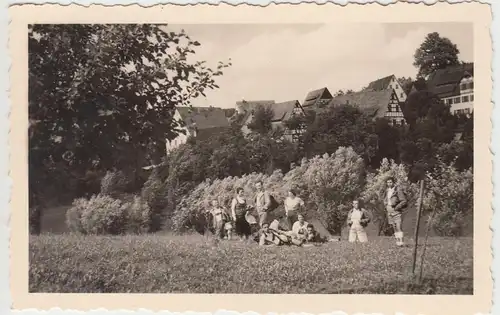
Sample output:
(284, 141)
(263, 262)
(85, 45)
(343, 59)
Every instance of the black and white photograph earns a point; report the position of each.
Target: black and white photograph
(252, 158)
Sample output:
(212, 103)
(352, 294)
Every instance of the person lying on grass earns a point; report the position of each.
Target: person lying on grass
(275, 236)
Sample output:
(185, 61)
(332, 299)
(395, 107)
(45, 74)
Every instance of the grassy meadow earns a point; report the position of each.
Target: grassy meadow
(68, 263)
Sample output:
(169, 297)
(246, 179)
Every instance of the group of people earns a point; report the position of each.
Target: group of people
(297, 231)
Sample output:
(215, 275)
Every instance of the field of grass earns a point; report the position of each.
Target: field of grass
(196, 264)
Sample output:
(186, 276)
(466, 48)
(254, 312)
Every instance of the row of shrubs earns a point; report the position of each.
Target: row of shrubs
(327, 183)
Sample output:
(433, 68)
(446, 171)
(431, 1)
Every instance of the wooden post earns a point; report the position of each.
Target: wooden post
(417, 226)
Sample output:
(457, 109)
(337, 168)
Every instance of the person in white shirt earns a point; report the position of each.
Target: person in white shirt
(357, 220)
(299, 228)
(293, 204)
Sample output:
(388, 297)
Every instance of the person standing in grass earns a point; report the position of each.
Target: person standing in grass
(262, 202)
(357, 220)
(293, 204)
(239, 208)
(218, 216)
(395, 202)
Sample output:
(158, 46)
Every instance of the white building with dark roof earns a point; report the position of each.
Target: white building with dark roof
(454, 85)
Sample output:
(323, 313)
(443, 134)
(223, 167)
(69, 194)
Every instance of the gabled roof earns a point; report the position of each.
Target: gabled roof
(313, 97)
(203, 117)
(283, 110)
(380, 84)
(373, 103)
(446, 82)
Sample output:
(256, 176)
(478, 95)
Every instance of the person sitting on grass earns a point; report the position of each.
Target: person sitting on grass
(313, 236)
(299, 228)
(357, 220)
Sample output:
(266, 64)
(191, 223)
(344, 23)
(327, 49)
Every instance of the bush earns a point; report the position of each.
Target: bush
(326, 184)
(449, 196)
(333, 183)
(138, 216)
(155, 194)
(102, 214)
(114, 184)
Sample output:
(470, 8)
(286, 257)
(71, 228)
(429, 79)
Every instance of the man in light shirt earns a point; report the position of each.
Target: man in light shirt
(357, 220)
(395, 201)
(299, 228)
(262, 202)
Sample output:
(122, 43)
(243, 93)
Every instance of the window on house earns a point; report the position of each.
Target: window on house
(402, 95)
(397, 108)
(402, 122)
(394, 122)
(472, 97)
(463, 86)
(449, 101)
(389, 108)
(465, 99)
(456, 100)
(397, 86)
(467, 110)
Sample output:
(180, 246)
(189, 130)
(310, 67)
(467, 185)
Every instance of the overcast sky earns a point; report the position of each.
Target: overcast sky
(283, 62)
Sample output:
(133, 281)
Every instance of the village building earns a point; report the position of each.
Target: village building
(389, 83)
(454, 85)
(317, 99)
(281, 112)
(200, 122)
(377, 104)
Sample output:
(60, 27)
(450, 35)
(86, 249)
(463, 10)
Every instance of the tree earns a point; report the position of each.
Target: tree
(101, 96)
(262, 119)
(435, 53)
(341, 126)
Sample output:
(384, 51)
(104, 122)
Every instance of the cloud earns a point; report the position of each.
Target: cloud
(287, 62)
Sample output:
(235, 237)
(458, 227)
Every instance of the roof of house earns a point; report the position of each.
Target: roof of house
(380, 84)
(446, 82)
(373, 103)
(313, 96)
(283, 110)
(203, 117)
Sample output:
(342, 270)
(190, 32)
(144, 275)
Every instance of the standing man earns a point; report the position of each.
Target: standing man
(395, 201)
(262, 202)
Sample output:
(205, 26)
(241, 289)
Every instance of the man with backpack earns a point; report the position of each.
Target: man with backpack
(264, 202)
(395, 202)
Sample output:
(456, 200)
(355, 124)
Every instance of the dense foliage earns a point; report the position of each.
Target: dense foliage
(102, 96)
(103, 214)
(326, 183)
(434, 53)
(449, 197)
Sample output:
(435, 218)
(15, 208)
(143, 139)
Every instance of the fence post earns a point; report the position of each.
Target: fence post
(417, 225)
